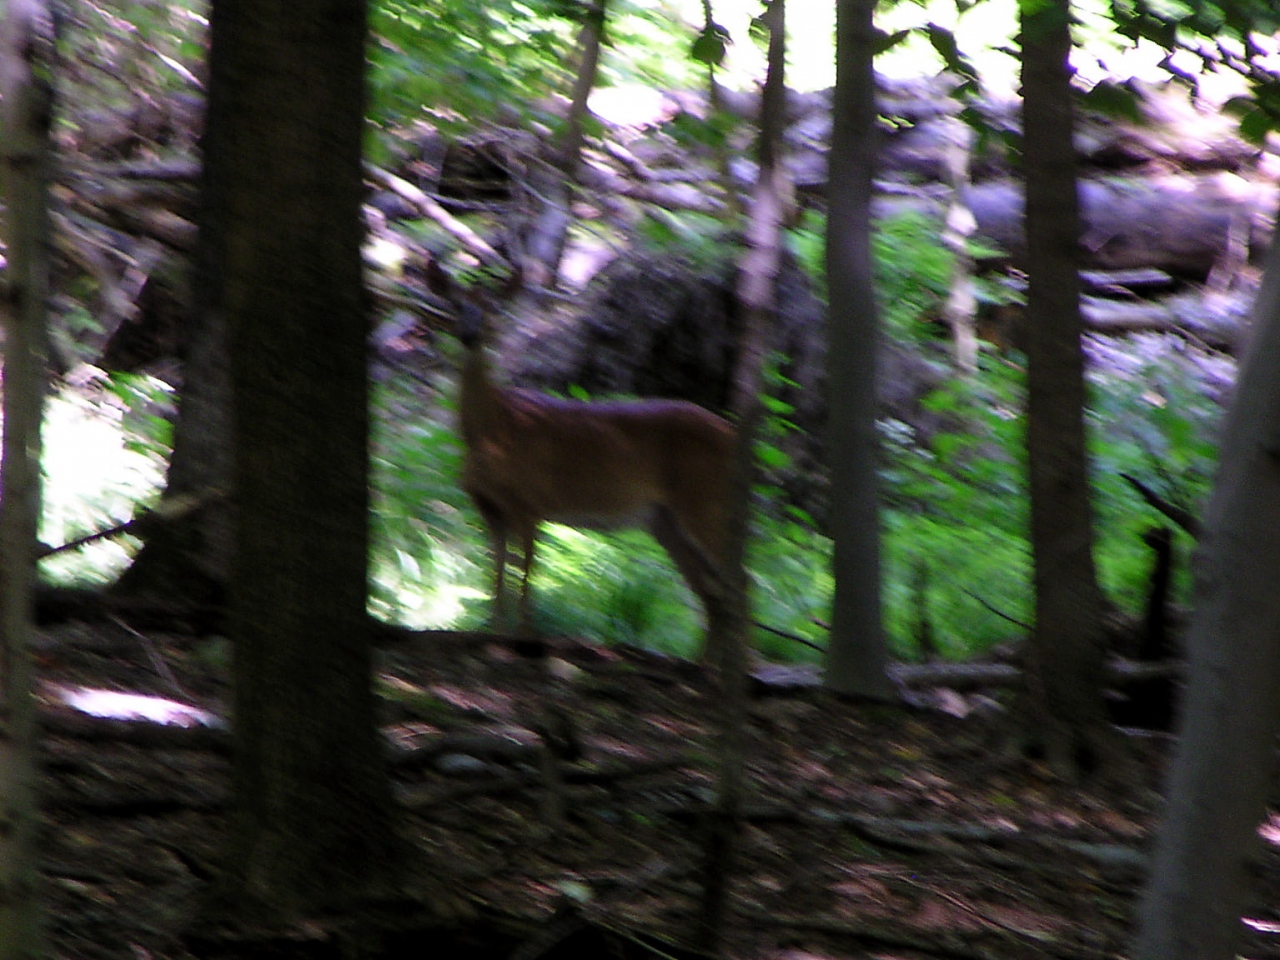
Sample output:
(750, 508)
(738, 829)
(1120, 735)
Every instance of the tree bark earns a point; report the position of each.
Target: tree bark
(1063, 699)
(311, 826)
(1221, 773)
(856, 655)
(187, 565)
(26, 58)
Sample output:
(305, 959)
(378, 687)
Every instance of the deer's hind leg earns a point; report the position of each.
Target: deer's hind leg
(528, 533)
(700, 567)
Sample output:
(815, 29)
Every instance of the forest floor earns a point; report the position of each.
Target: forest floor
(873, 831)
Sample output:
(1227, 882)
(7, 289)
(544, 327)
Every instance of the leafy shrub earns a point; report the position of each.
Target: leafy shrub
(426, 563)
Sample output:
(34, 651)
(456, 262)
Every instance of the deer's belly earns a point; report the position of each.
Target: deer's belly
(589, 518)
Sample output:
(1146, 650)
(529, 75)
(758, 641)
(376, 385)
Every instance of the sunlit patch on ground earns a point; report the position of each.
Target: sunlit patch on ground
(115, 705)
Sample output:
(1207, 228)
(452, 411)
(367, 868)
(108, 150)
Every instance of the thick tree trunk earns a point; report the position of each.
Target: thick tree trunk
(1222, 771)
(1064, 690)
(311, 824)
(855, 657)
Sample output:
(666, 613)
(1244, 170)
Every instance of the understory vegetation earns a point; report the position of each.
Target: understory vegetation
(956, 556)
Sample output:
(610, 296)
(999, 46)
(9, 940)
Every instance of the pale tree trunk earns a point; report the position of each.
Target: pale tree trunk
(1221, 773)
(961, 307)
(26, 57)
(855, 655)
(551, 229)
(1063, 699)
(729, 620)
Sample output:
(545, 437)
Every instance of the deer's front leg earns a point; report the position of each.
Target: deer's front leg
(528, 534)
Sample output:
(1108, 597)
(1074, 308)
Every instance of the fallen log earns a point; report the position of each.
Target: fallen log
(1183, 225)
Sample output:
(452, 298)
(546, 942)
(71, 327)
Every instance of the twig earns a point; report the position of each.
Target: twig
(169, 511)
(795, 638)
(998, 612)
(161, 668)
(1181, 517)
(432, 210)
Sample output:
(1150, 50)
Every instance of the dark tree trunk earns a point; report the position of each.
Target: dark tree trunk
(855, 656)
(1064, 691)
(311, 827)
(186, 565)
(27, 47)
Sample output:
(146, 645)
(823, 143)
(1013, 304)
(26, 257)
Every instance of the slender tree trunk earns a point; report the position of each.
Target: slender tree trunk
(1221, 773)
(728, 627)
(590, 41)
(311, 827)
(551, 229)
(26, 57)
(855, 656)
(1065, 676)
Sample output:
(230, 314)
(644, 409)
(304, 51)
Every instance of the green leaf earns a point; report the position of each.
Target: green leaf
(711, 44)
(1255, 125)
(1113, 100)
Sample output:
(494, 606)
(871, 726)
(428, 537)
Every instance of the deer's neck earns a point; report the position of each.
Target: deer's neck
(480, 400)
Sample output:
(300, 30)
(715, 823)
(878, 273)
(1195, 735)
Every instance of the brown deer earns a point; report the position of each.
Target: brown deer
(664, 465)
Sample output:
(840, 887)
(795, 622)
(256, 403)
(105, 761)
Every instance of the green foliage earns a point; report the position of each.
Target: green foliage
(459, 62)
(912, 273)
(956, 514)
(711, 44)
(127, 52)
(790, 567)
(699, 239)
(456, 65)
(911, 269)
(958, 505)
(1120, 100)
(147, 412)
(620, 588)
(650, 43)
(104, 456)
(427, 563)
(948, 50)
(1156, 426)
(1222, 36)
